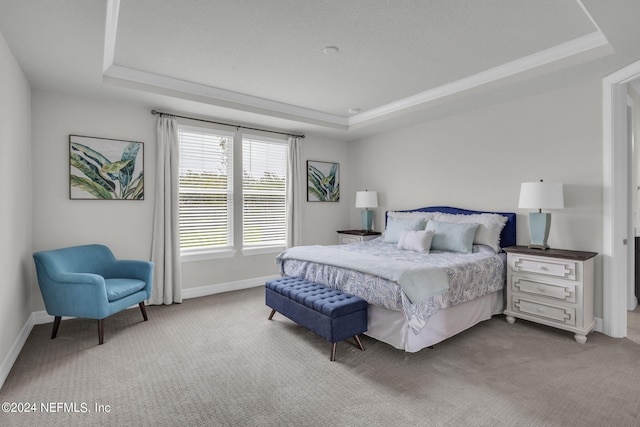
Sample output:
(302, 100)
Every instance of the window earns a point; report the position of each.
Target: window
(206, 190)
(207, 213)
(264, 175)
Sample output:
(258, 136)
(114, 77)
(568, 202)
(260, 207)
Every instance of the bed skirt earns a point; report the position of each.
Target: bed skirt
(392, 327)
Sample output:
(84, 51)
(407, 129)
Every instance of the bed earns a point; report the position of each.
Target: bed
(418, 299)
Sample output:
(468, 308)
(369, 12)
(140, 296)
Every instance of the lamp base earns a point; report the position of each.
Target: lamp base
(541, 247)
(367, 219)
(539, 225)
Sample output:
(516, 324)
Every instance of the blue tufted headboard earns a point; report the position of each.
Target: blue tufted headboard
(507, 236)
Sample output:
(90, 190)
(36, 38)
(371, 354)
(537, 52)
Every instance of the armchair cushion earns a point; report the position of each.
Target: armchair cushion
(120, 288)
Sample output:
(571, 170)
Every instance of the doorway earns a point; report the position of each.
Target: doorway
(616, 211)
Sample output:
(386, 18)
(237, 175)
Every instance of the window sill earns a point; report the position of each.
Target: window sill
(260, 250)
(207, 255)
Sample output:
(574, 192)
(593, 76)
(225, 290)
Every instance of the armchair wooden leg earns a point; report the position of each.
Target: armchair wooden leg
(144, 311)
(100, 331)
(56, 325)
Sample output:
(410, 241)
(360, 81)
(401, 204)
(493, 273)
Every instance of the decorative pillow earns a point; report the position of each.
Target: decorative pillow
(415, 240)
(413, 215)
(396, 225)
(489, 227)
(452, 237)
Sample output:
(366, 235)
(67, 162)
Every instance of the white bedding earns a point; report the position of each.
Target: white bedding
(392, 328)
(470, 276)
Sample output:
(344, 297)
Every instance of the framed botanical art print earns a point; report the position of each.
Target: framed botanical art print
(105, 169)
(323, 181)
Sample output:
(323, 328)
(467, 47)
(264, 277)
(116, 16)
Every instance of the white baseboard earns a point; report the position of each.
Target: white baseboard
(41, 317)
(598, 325)
(15, 349)
(202, 291)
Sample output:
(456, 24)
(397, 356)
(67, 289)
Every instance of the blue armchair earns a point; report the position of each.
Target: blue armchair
(87, 281)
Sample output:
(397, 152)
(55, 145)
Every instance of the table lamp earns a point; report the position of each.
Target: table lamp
(366, 200)
(540, 195)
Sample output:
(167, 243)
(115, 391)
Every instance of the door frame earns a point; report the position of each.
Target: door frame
(615, 213)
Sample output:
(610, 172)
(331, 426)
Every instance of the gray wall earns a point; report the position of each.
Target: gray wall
(15, 201)
(126, 226)
(477, 160)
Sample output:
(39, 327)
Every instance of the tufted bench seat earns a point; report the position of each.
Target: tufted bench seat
(328, 312)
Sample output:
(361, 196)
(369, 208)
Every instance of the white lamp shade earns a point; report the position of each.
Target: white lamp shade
(366, 199)
(541, 195)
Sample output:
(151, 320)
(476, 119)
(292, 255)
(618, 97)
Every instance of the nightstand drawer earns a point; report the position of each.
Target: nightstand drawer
(564, 269)
(565, 293)
(564, 315)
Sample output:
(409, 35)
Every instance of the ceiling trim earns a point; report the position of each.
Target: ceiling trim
(110, 33)
(586, 12)
(166, 85)
(196, 92)
(580, 45)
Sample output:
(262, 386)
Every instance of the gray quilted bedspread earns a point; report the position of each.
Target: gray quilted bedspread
(470, 276)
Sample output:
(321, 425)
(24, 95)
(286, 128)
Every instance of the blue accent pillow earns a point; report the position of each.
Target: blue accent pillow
(396, 225)
(452, 237)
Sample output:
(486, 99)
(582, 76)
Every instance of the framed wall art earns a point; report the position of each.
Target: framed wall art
(323, 181)
(105, 169)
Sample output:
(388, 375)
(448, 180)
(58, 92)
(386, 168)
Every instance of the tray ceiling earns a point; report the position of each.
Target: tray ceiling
(267, 58)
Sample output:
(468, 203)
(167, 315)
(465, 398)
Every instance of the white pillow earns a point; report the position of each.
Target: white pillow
(416, 240)
(489, 227)
(412, 215)
(396, 225)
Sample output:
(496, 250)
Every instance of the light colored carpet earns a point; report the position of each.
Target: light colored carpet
(218, 361)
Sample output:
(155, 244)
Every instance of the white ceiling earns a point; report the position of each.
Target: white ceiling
(262, 62)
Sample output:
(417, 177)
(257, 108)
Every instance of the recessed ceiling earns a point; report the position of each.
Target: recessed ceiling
(248, 51)
(267, 58)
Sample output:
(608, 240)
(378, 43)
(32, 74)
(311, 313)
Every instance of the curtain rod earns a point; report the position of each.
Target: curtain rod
(160, 113)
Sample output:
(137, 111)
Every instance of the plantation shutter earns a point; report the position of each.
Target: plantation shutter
(264, 174)
(206, 190)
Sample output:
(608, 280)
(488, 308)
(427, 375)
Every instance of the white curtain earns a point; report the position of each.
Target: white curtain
(295, 185)
(165, 247)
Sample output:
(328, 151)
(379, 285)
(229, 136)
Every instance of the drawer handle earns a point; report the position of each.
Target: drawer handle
(542, 268)
(540, 309)
(541, 289)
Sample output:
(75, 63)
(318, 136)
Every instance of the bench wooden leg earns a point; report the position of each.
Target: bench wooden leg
(335, 345)
(271, 315)
(56, 325)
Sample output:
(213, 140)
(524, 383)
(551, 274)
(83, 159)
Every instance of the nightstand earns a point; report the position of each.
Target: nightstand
(553, 287)
(352, 236)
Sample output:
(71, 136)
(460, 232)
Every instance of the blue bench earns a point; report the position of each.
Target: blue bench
(332, 314)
